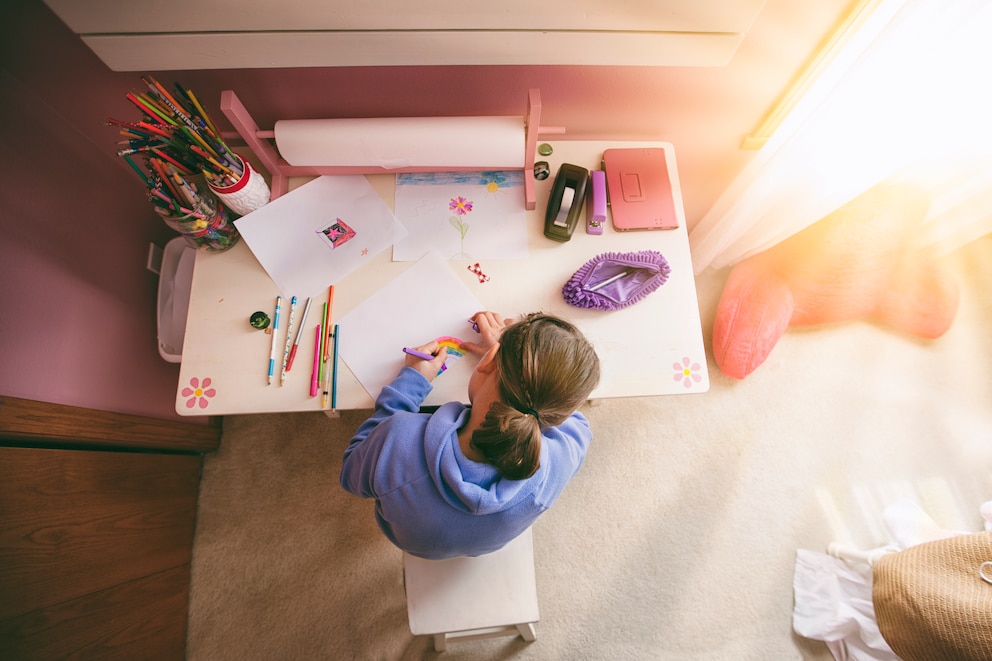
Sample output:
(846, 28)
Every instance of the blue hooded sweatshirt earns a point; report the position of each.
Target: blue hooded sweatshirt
(433, 502)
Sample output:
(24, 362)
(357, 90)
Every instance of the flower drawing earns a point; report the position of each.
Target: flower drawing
(687, 373)
(460, 205)
(198, 393)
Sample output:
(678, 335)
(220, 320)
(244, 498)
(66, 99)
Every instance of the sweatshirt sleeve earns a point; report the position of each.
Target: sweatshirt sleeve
(405, 394)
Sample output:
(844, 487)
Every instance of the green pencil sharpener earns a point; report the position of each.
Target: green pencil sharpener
(259, 320)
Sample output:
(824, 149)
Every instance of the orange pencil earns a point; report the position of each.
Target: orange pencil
(165, 94)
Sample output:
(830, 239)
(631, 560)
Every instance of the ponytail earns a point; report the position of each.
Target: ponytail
(546, 369)
(510, 440)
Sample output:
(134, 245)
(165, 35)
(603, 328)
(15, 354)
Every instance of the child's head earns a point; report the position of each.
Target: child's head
(545, 369)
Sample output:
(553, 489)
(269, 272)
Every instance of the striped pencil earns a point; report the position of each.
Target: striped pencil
(289, 341)
(296, 340)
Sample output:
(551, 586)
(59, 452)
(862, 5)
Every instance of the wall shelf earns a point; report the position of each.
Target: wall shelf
(162, 35)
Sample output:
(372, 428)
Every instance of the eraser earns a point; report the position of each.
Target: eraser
(596, 205)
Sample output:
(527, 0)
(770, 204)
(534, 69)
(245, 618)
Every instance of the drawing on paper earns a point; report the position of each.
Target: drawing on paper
(337, 233)
(492, 181)
(461, 207)
(485, 209)
(452, 344)
(455, 351)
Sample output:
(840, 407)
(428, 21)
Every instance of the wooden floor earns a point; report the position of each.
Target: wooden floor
(95, 543)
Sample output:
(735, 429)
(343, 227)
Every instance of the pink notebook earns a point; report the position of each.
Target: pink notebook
(640, 189)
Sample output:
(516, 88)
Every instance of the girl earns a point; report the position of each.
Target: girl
(465, 480)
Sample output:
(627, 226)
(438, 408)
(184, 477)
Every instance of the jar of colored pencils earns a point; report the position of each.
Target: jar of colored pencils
(205, 223)
(243, 192)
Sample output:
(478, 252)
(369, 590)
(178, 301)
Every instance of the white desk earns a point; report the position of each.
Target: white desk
(653, 347)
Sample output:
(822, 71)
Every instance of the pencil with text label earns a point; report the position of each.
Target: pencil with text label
(289, 341)
(299, 332)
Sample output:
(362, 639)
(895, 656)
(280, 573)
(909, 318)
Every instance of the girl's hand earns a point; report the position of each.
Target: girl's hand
(429, 368)
(490, 326)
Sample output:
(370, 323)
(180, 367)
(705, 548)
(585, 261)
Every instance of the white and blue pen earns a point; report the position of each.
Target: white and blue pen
(275, 333)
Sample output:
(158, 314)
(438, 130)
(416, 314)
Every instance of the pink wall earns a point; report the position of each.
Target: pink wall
(77, 306)
(76, 303)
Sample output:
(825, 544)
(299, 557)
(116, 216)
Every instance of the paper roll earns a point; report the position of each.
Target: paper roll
(392, 143)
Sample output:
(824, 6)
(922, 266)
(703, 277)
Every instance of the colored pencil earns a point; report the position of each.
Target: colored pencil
(322, 342)
(289, 338)
(323, 375)
(135, 167)
(152, 112)
(327, 319)
(174, 128)
(334, 377)
(203, 114)
(275, 332)
(316, 363)
(299, 332)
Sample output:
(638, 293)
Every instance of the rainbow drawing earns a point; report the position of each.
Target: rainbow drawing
(454, 347)
(453, 344)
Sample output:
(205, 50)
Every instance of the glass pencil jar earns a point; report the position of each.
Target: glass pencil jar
(205, 223)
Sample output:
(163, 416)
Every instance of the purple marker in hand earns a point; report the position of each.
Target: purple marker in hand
(418, 354)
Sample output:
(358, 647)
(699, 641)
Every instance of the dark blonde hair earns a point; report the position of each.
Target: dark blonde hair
(545, 369)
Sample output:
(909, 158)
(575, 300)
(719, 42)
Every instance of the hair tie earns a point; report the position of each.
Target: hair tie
(533, 413)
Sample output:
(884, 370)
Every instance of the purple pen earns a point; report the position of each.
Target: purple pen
(418, 354)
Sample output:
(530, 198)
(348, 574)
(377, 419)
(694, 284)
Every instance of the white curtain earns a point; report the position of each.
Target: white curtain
(909, 96)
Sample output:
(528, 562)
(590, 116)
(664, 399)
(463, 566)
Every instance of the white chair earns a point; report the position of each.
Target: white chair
(469, 598)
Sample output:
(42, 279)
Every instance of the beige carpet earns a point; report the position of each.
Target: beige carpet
(675, 541)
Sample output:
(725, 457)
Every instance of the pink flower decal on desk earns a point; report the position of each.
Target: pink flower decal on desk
(199, 393)
(687, 372)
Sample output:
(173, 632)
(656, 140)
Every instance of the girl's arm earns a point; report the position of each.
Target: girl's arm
(405, 394)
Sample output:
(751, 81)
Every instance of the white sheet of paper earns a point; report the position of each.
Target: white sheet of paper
(304, 238)
(425, 302)
(462, 215)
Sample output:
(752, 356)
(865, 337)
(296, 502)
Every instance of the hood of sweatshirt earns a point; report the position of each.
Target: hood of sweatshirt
(465, 484)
